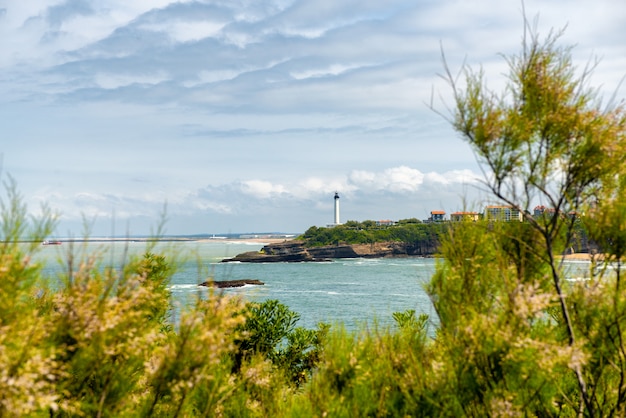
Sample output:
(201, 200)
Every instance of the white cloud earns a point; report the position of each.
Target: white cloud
(185, 31)
(113, 81)
(397, 179)
(261, 189)
(312, 188)
(454, 176)
(334, 69)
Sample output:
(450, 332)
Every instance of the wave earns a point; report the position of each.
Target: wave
(578, 279)
(324, 292)
(367, 262)
(186, 288)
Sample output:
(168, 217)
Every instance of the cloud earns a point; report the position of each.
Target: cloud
(398, 179)
(57, 15)
(244, 198)
(261, 189)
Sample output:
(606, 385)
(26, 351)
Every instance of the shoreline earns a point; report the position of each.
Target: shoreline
(256, 240)
(246, 240)
(582, 257)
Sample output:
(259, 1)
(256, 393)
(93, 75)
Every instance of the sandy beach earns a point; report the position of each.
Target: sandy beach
(582, 257)
(244, 240)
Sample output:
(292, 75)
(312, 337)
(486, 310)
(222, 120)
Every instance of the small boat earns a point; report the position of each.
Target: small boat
(51, 242)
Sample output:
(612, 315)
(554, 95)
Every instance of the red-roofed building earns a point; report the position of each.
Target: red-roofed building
(437, 215)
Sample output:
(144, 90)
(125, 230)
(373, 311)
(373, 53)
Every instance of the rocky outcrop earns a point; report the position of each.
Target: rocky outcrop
(298, 251)
(289, 251)
(230, 283)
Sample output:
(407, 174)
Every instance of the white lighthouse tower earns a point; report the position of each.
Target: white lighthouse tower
(337, 209)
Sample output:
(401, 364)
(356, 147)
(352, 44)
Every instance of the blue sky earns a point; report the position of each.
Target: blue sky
(247, 115)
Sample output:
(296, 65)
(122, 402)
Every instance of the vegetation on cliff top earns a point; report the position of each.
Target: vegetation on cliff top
(410, 231)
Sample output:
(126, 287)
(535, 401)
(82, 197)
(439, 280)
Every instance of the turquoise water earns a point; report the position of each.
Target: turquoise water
(350, 291)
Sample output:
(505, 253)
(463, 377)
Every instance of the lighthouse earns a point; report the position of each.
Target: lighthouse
(337, 209)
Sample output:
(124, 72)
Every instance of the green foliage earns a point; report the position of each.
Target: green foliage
(106, 323)
(270, 331)
(373, 373)
(515, 336)
(498, 348)
(189, 373)
(155, 273)
(352, 232)
(407, 321)
(28, 363)
(409, 221)
(267, 324)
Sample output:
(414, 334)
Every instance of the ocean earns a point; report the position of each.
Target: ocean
(354, 292)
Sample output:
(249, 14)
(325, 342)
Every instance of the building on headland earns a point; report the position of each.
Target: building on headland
(337, 221)
(465, 216)
(540, 211)
(385, 222)
(503, 213)
(545, 212)
(437, 215)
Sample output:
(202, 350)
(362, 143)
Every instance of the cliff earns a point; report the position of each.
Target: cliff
(298, 251)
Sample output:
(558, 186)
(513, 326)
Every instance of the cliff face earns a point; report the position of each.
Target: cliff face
(297, 251)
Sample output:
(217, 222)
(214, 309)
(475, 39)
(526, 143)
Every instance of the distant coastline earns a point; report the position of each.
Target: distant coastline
(243, 238)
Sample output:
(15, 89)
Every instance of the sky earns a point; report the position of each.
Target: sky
(238, 116)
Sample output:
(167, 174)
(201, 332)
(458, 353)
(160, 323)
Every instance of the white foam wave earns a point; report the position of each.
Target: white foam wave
(578, 279)
(184, 286)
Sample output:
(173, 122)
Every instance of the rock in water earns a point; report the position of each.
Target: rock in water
(221, 284)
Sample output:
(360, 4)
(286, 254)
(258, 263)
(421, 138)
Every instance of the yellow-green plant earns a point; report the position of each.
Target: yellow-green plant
(101, 341)
(28, 364)
(375, 372)
(516, 338)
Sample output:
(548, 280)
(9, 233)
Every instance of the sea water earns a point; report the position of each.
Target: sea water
(354, 292)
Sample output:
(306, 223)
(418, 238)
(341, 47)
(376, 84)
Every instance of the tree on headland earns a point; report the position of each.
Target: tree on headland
(409, 231)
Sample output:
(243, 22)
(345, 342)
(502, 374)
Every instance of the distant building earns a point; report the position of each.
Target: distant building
(465, 216)
(542, 211)
(503, 214)
(385, 222)
(437, 216)
(337, 222)
(539, 210)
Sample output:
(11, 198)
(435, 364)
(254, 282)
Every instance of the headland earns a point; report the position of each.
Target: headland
(300, 251)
